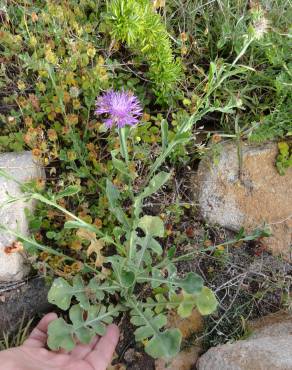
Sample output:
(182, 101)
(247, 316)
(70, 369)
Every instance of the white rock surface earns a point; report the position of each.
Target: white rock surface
(22, 167)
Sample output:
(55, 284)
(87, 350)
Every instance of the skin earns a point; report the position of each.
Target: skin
(33, 354)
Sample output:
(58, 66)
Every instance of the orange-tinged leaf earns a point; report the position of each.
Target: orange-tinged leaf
(14, 247)
(95, 246)
(34, 17)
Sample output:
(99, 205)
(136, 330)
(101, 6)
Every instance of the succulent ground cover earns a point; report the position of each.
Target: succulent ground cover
(118, 100)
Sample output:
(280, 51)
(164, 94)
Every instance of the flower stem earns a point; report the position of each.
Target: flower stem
(123, 141)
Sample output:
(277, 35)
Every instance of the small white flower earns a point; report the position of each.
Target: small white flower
(74, 92)
(261, 27)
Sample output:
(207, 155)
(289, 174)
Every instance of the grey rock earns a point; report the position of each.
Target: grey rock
(21, 301)
(274, 325)
(268, 348)
(22, 167)
(250, 195)
(267, 353)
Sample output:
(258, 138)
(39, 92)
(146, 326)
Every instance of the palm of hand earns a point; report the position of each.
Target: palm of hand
(33, 355)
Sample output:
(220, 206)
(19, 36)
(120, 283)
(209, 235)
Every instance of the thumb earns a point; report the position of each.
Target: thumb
(38, 336)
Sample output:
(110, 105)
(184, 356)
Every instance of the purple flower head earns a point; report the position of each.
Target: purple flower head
(121, 107)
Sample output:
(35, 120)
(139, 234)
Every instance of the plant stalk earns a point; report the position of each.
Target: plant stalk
(123, 141)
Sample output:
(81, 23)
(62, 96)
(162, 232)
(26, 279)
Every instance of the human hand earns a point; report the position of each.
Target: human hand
(33, 355)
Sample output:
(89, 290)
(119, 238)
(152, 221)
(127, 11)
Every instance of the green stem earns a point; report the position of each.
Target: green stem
(190, 256)
(134, 305)
(55, 205)
(132, 242)
(97, 319)
(82, 223)
(242, 51)
(145, 245)
(123, 141)
(35, 244)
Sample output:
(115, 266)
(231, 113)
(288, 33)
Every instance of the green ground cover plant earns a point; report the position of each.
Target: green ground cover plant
(219, 69)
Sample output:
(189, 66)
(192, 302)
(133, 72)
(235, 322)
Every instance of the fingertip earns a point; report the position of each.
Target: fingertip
(46, 320)
(51, 316)
(113, 333)
(38, 336)
(101, 355)
(113, 329)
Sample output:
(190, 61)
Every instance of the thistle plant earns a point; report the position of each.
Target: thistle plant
(138, 264)
(118, 282)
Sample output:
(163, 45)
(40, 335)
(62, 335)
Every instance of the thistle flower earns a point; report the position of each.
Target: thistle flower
(260, 23)
(261, 27)
(121, 107)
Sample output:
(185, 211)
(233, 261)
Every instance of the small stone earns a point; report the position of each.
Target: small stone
(131, 355)
(250, 196)
(185, 360)
(21, 166)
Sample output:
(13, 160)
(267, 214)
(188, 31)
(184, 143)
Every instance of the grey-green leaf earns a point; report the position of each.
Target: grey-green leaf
(155, 246)
(114, 196)
(206, 301)
(152, 225)
(61, 293)
(192, 283)
(127, 278)
(68, 192)
(60, 335)
(167, 344)
(83, 333)
(85, 324)
(161, 343)
(155, 184)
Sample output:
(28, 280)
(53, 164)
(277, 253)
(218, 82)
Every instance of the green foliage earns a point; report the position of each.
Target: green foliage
(136, 23)
(141, 264)
(258, 36)
(162, 344)
(284, 158)
(62, 335)
(61, 292)
(127, 272)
